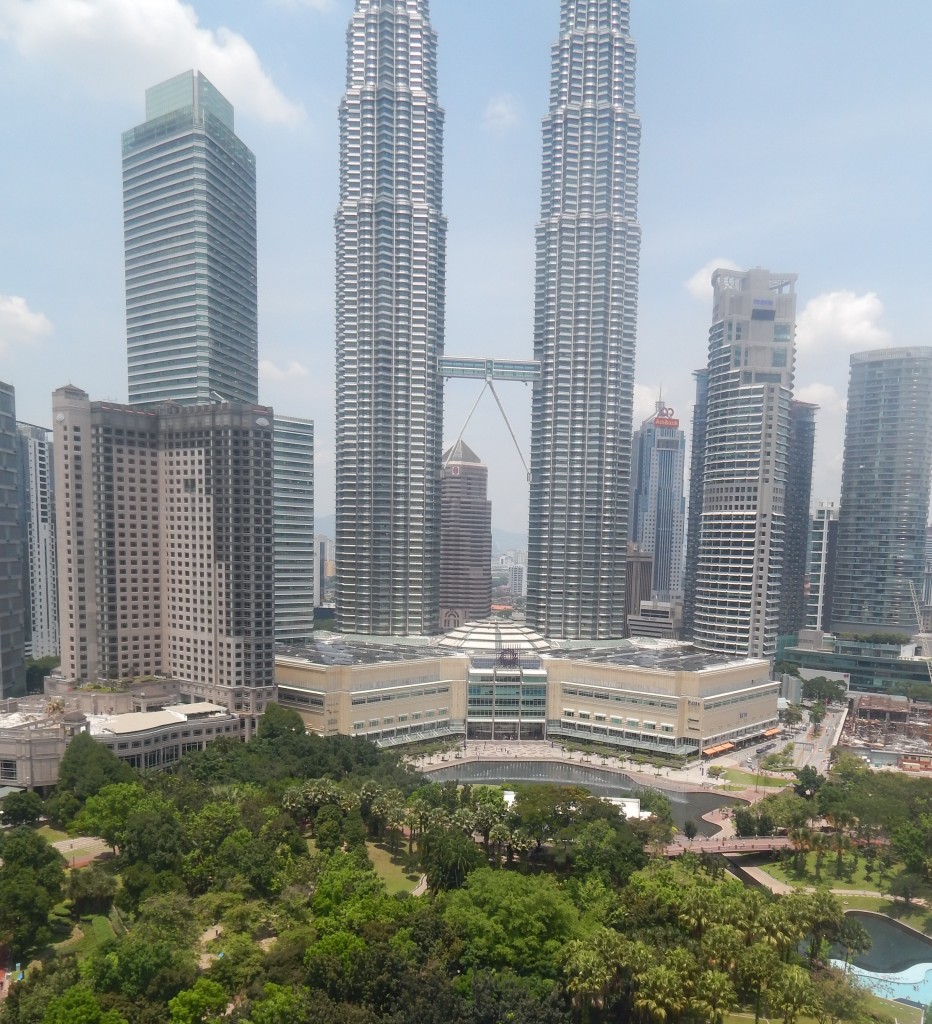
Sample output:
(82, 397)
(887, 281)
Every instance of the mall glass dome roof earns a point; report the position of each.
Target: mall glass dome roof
(494, 635)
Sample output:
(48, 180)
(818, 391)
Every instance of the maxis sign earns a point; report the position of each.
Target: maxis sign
(666, 418)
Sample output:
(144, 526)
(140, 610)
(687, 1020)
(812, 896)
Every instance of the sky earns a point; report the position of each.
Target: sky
(794, 136)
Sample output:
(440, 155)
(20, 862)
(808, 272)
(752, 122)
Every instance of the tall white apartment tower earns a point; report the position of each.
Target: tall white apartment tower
(37, 510)
(739, 558)
(588, 246)
(390, 274)
(823, 537)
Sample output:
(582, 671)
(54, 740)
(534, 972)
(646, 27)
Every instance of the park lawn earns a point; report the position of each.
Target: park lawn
(94, 930)
(884, 1011)
(392, 873)
(751, 779)
(915, 916)
(785, 873)
(894, 1013)
(51, 835)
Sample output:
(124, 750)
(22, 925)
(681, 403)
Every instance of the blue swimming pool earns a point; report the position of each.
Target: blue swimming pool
(899, 963)
(914, 985)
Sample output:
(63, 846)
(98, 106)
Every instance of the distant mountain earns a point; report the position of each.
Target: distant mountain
(502, 540)
(507, 540)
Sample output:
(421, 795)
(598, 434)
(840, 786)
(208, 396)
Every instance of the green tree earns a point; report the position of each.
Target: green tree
(758, 966)
(792, 994)
(31, 882)
(808, 781)
(21, 808)
(79, 1005)
(87, 766)
(278, 1005)
(522, 920)
(91, 890)
(107, 812)
(660, 994)
(906, 886)
(205, 1001)
(278, 722)
(447, 858)
(837, 999)
(714, 997)
(37, 669)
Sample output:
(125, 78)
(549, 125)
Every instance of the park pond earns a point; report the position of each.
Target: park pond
(899, 962)
(601, 782)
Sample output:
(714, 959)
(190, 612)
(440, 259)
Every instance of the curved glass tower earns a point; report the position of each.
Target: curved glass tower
(588, 246)
(391, 254)
(885, 486)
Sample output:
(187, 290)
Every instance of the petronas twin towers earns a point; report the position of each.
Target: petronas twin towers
(391, 237)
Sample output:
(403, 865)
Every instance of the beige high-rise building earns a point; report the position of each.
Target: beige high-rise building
(465, 538)
(165, 545)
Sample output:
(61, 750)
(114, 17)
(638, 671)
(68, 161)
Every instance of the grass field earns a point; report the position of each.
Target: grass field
(748, 780)
(916, 917)
(881, 1010)
(92, 931)
(51, 835)
(392, 872)
(856, 880)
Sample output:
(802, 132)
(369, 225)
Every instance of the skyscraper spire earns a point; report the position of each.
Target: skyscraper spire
(588, 245)
(391, 254)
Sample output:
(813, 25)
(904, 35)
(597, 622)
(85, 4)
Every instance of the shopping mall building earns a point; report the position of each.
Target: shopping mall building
(501, 681)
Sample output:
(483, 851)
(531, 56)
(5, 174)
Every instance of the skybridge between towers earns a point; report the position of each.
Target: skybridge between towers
(476, 368)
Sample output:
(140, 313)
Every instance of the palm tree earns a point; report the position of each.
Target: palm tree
(592, 967)
(792, 994)
(715, 996)
(801, 838)
(660, 994)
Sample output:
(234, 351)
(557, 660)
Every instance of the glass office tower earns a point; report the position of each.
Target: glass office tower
(885, 485)
(588, 246)
(189, 223)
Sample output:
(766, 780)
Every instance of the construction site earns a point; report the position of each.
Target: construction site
(889, 730)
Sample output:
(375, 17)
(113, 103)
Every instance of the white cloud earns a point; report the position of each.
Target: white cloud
(645, 402)
(825, 396)
(120, 47)
(699, 285)
(314, 5)
(19, 325)
(501, 113)
(841, 322)
(268, 371)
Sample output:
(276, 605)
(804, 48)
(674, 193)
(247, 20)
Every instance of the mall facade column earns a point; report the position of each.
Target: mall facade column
(884, 491)
(588, 246)
(189, 226)
(390, 282)
(740, 551)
